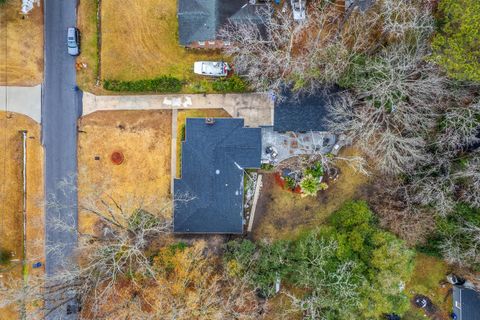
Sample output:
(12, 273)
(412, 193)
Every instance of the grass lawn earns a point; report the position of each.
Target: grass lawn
(192, 113)
(11, 217)
(428, 279)
(87, 24)
(282, 214)
(21, 45)
(139, 41)
(144, 138)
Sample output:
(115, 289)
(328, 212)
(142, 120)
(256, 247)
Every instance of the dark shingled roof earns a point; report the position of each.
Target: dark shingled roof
(213, 159)
(200, 20)
(302, 114)
(466, 303)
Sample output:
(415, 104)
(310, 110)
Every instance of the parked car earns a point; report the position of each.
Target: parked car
(211, 68)
(73, 41)
(299, 9)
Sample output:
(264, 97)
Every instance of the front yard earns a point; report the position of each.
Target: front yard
(11, 195)
(138, 41)
(21, 45)
(143, 138)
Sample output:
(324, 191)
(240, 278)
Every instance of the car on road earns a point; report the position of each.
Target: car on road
(73, 41)
(211, 68)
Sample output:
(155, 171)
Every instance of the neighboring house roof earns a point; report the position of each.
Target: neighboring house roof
(363, 5)
(214, 157)
(200, 20)
(302, 114)
(466, 303)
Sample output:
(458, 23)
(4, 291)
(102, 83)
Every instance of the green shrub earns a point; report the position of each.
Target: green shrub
(456, 46)
(231, 84)
(267, 166)
(315, 171)
(310, 185)
(160, 84)
(4, 257)
(290, 183)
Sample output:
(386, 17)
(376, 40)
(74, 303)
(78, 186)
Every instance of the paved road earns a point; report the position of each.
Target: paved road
(61, 107)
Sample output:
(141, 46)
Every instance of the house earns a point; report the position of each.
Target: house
(215, 154)
(302, 114)
(200, 20)
(363, 5)
(466, 303)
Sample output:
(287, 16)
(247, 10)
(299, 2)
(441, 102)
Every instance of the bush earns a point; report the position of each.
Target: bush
(161, 84)
(310, 185)
(4, 257)
(315, 171)
(456, 45)
(231, 84)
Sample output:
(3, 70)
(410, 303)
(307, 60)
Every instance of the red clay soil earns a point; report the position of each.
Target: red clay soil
(117, 158)
(281, 182)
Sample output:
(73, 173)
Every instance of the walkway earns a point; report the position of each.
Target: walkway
(255, 108)
(24, 100)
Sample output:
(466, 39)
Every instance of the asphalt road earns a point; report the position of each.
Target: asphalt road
(61, 107)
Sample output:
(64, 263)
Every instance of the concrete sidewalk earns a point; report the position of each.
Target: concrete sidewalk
(24, 100)
(255, 108)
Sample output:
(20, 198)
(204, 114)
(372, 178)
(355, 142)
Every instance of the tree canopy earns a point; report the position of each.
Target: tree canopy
(349, 268)
(456, 45)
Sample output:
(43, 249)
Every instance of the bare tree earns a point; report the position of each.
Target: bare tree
(397, 211)
(309, 55)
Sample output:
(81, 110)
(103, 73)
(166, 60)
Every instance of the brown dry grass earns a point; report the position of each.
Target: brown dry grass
(21, 45)
(143, 137)
(193, 113)
(139, 41)
(282, 214)
(11, 220)
(429, 278)
(87, 24)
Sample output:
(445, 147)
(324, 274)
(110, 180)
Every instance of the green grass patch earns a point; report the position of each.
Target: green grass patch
(427, 279)
(162, 84)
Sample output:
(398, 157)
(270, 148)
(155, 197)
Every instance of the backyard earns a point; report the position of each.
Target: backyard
(124, 155)
(429, 279)
(21, 45)
(11, 222)
(282, 214)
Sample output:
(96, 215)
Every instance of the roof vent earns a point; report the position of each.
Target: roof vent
(209, 121)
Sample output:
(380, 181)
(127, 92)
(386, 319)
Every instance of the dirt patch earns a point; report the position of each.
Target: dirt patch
(281, 214)
(144, 139)
(11, 196)
(21, 45)
(139, 41)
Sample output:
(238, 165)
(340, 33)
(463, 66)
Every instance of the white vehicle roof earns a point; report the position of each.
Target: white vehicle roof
(210, 68)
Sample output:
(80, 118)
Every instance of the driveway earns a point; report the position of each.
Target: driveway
(24, 100)
(255, 108)
(61, 107)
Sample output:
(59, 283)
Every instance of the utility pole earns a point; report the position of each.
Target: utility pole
(23, 311)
